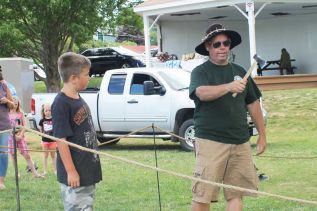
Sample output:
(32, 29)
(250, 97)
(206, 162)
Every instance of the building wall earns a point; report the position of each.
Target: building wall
(295, 33)
(19, 72)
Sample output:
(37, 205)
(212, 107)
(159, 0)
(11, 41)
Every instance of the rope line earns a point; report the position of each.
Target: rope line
(261, 156)
(175, 173)
(5, 131)
(29, 150)
(124, 136)
(172, 134)
(284, 157)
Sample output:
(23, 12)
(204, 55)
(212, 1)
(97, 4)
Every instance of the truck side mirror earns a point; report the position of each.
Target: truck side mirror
(148, 87)
(162, 91)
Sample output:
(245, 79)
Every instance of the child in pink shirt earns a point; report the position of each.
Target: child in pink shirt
(17, 118)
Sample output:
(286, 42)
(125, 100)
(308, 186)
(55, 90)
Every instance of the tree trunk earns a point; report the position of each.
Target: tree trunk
(49, 58)
(53, 80)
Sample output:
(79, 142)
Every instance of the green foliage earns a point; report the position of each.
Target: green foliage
(43, 29)
(153, 36)
(10, 40)
(97, 44)
(128, 43)
(130, 20)
(47, 28)
(120, 13)
(39, 86)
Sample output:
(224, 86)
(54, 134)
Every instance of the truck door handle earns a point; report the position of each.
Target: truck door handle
(132, 101)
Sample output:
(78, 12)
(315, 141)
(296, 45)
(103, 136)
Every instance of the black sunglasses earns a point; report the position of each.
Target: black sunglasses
(225, 43)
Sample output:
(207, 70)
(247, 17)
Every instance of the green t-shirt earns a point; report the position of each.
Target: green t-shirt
(223, 119)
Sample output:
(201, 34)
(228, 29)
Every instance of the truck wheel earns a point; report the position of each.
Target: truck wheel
(187, 131)
(103, 140)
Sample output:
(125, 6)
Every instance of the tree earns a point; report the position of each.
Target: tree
(43, 29)
(123, 21)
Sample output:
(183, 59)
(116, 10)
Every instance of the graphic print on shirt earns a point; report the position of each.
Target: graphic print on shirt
(90, 135)
(47, 126)
(81, 115)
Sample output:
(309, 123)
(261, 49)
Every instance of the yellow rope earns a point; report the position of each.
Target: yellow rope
(113, 140)
(285, 157)
(5, 131)
(30, 150)
(175, 173)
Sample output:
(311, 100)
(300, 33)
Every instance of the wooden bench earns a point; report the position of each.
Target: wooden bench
(268, 65)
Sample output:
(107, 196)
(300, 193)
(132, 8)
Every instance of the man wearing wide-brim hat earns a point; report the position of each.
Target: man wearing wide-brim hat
(223, 152)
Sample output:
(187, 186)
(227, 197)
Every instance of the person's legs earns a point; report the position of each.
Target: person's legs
(197, 206)
(281, 71)
(211, 159)
(24, 152)
(30, 164)
(290, 71)
(53, 146)
(81, 198)
(3, 158)
(234, 204)
(240, 172)
(12, 158)
(45, 147)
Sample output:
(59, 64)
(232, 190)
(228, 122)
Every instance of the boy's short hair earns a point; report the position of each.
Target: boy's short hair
(71, 64)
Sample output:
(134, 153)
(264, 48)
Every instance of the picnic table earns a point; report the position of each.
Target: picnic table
(273, 65)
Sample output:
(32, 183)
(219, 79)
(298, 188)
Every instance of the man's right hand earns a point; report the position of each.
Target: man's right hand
(237, 86)
(73, 179)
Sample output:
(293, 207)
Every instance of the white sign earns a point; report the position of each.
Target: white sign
(249, 6)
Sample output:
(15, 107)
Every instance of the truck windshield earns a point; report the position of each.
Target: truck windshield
(178, 79)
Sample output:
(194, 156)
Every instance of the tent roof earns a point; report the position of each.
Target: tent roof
(215, 9)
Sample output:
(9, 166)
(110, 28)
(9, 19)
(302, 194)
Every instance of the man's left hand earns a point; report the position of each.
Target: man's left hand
(260, 145)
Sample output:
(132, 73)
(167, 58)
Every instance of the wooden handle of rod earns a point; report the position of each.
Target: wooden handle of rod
(247, 75)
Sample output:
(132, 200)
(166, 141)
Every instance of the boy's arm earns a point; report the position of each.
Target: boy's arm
(73, 178)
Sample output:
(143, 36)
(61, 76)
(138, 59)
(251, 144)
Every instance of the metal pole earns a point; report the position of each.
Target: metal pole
(251, 22)
(157, 174)
(146, 40)
(16, 169)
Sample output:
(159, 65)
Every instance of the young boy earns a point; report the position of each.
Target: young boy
(78, 171)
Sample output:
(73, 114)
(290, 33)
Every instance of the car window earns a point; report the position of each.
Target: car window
(116, 84)
(88, 53)
(137, 83)
(101, 52)
(111, 52)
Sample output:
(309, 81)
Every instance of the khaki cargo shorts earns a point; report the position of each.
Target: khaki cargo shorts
(223, 163)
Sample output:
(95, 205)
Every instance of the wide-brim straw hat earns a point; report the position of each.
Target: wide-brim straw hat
(213, 31)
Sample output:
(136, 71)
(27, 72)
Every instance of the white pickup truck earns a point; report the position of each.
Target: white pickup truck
(131, 99)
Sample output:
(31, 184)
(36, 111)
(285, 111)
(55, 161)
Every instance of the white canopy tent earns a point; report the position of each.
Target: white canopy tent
(200, 9)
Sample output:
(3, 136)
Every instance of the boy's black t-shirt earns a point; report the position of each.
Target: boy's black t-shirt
(72, 120)
(47, 127)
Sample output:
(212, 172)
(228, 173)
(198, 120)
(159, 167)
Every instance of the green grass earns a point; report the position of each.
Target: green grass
(291, 132)
(39, 86)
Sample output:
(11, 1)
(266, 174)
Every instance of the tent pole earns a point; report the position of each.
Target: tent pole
(146, 40)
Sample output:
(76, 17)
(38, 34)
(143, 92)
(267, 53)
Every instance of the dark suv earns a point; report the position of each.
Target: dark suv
(103, 59)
